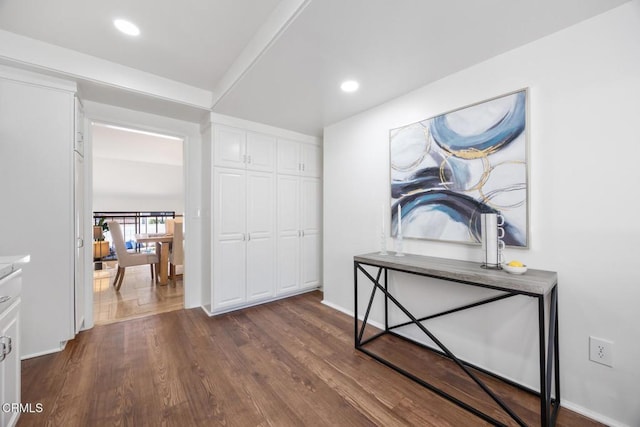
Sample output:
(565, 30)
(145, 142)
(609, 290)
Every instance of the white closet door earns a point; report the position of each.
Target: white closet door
(229, 232)
(288, 157)
(311, 160)
(260, 235)
(261, 152)
(229, 147)
(311, 195)
(289, 232)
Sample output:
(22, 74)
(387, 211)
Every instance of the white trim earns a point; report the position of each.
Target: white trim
(24, 76)
(49, 58)
(253, 304)
(350, 313)
(63, 345)
(591, 414)
(168, 126)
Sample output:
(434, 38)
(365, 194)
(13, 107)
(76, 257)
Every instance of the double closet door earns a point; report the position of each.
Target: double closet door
(244, 241)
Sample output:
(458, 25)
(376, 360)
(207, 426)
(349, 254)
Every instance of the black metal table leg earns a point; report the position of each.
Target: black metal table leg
(548, 337)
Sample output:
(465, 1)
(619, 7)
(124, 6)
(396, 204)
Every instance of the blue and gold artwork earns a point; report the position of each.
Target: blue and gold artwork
(449, 169)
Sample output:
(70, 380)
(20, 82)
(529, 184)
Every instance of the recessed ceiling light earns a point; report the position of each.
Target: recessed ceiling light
(350, 86)
(127, 27)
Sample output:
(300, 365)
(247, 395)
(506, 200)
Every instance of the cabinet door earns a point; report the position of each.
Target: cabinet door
(311, 261)
(311, 195)
(229, 256)
(260, 235)
(261, 150)
(288, 157)
(229, 147)
(10, 366)
(311, 160)
(288, 229)
(311, 208)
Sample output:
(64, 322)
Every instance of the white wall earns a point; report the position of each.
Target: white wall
(190, 132)
(584, 102)
(124, 185)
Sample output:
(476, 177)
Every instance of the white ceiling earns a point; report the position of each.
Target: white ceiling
(270, 61)
(115, 143)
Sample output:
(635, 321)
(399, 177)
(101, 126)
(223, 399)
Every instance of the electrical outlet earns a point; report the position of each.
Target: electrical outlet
(601, 351)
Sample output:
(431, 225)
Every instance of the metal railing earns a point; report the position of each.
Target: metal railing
(135, 222)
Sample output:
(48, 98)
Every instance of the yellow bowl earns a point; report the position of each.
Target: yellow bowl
(514, 270)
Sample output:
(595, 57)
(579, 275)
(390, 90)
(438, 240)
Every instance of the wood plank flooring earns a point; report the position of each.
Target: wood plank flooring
(287, 363)
(138, 296)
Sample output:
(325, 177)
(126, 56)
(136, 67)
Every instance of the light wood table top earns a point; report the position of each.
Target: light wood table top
(538, 282)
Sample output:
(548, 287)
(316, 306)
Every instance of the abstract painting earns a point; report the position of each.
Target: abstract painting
(448, 170)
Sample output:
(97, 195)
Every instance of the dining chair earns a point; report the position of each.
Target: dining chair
(126, 258)
(169, 224)
(176, 256)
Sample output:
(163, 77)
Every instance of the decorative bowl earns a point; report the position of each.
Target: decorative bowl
(514, 270)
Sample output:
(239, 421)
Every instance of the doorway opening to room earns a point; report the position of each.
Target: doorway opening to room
(138, 206)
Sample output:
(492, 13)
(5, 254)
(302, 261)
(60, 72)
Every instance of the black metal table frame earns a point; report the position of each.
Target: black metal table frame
(549, 363)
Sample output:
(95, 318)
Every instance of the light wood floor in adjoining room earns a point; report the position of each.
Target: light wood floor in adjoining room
(138, 296)
(287, 363)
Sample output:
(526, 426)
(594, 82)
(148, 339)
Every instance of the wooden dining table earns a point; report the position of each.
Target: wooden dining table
(162, 241)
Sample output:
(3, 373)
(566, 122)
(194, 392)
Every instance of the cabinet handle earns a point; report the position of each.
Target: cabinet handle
(5, 298)
(302, 167)
(248, 236)
(80, 242)
(249, 159)
(302, 233)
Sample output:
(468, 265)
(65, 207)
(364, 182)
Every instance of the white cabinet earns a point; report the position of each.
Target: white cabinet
(298, 228)
(237, 148)
(37, 170)
(10, 347)
(265, 214)
(299, 158)
(243, 237)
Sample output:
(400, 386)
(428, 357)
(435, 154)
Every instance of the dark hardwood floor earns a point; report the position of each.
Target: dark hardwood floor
(287, 363)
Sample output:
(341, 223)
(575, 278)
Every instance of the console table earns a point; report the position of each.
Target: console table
(536, 284)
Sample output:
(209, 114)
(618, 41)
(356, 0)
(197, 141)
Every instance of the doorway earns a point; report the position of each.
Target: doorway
(135, 173)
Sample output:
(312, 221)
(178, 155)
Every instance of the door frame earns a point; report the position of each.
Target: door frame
(191, 147)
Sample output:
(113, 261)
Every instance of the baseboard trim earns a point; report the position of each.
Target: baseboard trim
(350, 313)
(253, 304)
(591, 414)
(44, 352)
